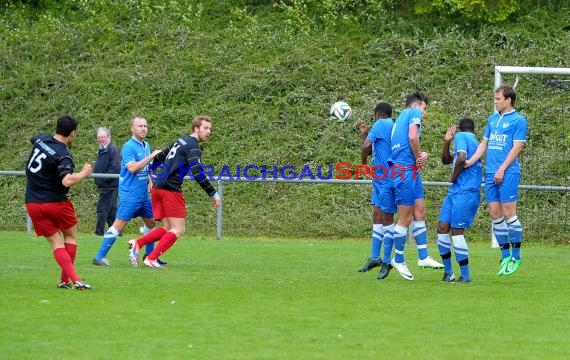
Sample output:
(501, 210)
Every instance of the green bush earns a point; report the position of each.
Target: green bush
(267, 72)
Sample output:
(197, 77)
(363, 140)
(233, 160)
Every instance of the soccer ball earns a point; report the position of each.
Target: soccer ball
(340, 111)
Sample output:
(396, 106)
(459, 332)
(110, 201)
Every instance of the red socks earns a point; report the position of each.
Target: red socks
(72, 251)
(151, 237)
(167, 240)
(64, 261)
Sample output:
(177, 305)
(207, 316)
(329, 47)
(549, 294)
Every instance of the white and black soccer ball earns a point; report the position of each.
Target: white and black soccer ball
(340, 111)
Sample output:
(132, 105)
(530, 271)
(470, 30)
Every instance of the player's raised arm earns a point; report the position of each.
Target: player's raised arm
(446, 155)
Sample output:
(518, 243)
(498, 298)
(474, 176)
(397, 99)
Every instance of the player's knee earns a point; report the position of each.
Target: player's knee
(442, 228)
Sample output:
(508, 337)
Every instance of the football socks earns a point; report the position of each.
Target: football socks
(444, 246)
(515, 236)
(420, 234)
(388, 243)
(400, 233)
(377, 235)
(502, 234)
(461, 255)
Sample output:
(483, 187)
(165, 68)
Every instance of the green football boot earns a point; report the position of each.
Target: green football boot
(503, 265)
(513, 266)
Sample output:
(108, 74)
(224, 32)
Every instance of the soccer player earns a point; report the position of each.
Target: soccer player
(134, 188)
(168, 171)
(377, 143)
(505, 135)
(461, 203)
(405, 164)
(49, 174)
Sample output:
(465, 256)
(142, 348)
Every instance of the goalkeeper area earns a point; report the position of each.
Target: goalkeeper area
(278, 299)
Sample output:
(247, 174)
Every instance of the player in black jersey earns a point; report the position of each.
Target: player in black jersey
(49, 174)
(168, 205)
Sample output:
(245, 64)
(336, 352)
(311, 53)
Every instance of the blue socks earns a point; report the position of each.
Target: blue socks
(400, 233)
(108, 240)
(462, 255)
(444, 246)
(515, 236)
(388, 243)
(502, 234)
(111, 236)
(377, 236)
(420, 234)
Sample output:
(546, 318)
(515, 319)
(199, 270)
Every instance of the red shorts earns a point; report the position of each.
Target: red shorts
(50, 217)
(166, 203)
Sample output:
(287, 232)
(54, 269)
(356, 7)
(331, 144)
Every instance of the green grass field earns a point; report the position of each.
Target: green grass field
(279, 299)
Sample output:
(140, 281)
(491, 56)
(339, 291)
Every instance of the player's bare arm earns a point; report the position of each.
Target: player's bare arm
(511, 156)
(446, 155)
(72, 179)
(459, 166)
(478, 153)
(365, 151)
(413, 135)
(135, 166)
(363, 129)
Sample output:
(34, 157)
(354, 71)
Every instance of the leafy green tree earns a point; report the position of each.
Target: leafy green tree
(491, 11)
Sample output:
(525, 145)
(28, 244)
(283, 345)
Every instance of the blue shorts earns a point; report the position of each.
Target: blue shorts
(407, 186)
(374, 198)
(506, 191)
(129, 209)
(459, 209)
(384, 197)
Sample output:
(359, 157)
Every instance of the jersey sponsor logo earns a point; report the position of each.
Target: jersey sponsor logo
(44, 146)
(498, 137)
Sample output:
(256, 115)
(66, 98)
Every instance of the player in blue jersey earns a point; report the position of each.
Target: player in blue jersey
(505, 135)
(405, 164)
(134, 188)
(168, 171)
(462, 200)
(49, 175)
(377, 144)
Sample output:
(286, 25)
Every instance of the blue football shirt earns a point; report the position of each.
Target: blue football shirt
(401, 152)
(471, 177)
(134, 185)
(380, 135)
(501, 131)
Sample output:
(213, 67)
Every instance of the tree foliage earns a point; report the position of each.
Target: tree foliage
(490, 11)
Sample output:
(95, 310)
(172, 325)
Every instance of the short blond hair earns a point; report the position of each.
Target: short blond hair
(197, 122)
(135, 119)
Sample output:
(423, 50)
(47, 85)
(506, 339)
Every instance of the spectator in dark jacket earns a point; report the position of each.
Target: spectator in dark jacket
(108, 162)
